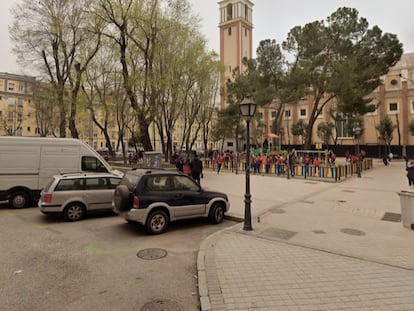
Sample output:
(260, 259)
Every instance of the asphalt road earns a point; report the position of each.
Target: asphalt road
(49, 264)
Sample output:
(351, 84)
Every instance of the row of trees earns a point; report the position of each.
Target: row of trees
(339, 60)
(133, 61)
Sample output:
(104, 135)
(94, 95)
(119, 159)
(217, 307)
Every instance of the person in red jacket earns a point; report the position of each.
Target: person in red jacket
(220, 162)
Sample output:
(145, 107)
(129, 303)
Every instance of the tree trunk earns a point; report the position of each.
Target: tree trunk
(143, 133)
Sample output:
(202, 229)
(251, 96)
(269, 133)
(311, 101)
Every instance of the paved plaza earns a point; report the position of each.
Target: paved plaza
(314, 245)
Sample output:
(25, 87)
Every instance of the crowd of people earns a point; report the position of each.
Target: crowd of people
(289, 159)
(190, 166)
(283, 162)
(135, 157)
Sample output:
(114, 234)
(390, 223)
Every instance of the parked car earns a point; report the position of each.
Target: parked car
(154, 198)
(74, 195)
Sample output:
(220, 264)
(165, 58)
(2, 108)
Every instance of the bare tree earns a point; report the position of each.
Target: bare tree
(48, 35)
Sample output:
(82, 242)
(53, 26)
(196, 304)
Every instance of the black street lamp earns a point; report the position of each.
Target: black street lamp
(357, 132)
(247, 109)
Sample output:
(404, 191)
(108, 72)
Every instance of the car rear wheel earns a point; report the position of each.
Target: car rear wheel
(157, 222)
(74, 212)
(19, 199)
(216, 215)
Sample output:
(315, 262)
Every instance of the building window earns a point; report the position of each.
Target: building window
(393, 107)
(229, 11)
(302, 113)
(19, 131)
(342, 128)
(287, 114)
(20, 102)
(20, 116)
(11, 86)
(10, 116)
(21, 87)
(229, 31)
(394, 82)
(29, 129)
(11, 101)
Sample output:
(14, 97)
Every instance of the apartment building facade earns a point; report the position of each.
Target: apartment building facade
(17, 111)
(393, 98)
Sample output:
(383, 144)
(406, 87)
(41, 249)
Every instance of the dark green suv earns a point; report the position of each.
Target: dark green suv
(155, 198)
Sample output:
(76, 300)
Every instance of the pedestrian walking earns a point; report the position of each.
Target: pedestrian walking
(179, 164)
(410, 173)
(220, 162)
(187, 167)
(196, 168)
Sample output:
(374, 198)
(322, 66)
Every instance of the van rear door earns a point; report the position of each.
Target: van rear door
(57, 159)
(19, 165)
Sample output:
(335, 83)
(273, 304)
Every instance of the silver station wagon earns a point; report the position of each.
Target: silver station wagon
(75, 195)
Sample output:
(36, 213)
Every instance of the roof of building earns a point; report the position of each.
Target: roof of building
(407, 60)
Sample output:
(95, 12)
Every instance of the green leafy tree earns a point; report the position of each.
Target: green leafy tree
(340, 58)
(300, 129)
(325, 132)
(386, 129)
(228, 121)
(241, 85)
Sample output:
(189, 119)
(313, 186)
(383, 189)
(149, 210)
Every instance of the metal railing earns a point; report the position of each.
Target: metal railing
(334, 172)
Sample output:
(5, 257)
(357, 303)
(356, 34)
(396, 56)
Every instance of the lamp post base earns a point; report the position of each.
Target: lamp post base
(247, 226)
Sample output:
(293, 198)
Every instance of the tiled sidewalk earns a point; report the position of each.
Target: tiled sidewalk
(317, 247)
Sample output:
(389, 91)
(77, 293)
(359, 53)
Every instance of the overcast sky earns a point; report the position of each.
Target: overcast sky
(272, 19)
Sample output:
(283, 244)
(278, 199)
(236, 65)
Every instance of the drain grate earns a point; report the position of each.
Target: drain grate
(395, 217)
(279, 233)
(152, 253)
(162, 305)
(352, 231)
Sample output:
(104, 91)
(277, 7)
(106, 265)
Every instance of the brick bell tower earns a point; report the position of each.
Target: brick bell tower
(236, 37)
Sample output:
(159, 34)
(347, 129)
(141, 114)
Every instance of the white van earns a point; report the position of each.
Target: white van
(28, 163)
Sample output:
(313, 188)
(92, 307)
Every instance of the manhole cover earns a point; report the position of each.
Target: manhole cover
(152, 253)
(395, 217)
(352, 231)
(319, 231)
(162, 305)
(279, 233)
